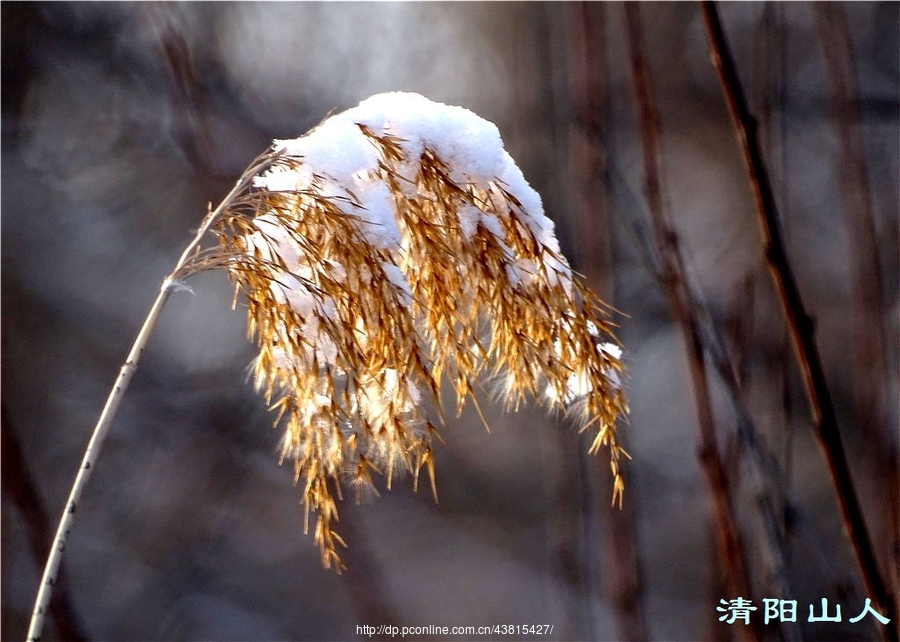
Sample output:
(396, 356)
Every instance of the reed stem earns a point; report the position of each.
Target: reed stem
(114, 400)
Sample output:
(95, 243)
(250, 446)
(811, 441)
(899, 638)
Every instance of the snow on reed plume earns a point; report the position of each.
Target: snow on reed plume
(393, 249)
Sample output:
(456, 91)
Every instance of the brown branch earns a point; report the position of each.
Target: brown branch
(771, 500)
(587, 160)
(799, 322)
(673, 273)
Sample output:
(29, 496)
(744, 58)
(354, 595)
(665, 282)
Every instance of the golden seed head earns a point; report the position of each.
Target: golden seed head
(359, 319)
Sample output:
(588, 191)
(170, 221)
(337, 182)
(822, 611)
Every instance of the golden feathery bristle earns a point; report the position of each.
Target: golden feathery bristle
(366, 291)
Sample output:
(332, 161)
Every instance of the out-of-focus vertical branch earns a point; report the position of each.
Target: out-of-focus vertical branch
(776, 512)
(868, 331)
(587, 158)
(749, 453)
(766, 474)
(772, 488)
(191, 126)
(593, 251)
(799, 321)
(772, 501)
(565, 524)
(868, 328)
(673, 274)
(22, 490)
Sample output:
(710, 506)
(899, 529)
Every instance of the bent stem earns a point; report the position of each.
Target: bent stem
(184, 267)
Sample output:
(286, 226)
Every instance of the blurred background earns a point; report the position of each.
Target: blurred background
(122, 121)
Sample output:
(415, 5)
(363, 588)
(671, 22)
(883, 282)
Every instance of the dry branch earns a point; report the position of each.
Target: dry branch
(799, 322)
(673, 275)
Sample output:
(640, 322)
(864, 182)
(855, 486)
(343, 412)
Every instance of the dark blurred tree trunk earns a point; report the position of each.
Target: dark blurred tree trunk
(593, 252)
(20, 487)
(867, 321)
(542, 28)
(588, 87)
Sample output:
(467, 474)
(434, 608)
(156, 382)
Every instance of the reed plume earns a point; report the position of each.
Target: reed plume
(393, 249)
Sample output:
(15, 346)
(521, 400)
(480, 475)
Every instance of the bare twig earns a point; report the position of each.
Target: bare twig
(673, 272)
(182, 268)
(799, 321)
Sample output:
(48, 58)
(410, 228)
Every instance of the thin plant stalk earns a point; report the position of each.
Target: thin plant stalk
(770, 77)
(184, 267)
(800, 324)
(673, 270)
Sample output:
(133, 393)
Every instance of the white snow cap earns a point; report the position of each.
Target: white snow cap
(339, 160)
